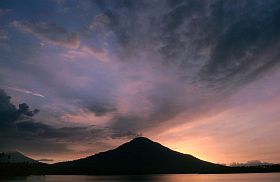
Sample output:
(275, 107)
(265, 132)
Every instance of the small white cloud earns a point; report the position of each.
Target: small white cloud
(21, 90)
(3, 35)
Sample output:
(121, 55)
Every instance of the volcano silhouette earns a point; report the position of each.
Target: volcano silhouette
(139, 156)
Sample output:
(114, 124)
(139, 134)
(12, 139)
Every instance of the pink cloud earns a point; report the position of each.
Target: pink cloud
(50, 33)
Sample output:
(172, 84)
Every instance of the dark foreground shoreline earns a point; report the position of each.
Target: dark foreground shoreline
(26, 169)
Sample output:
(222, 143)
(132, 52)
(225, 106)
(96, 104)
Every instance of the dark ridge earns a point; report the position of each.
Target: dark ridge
(140, 143)
(15, 157)
(139, 156)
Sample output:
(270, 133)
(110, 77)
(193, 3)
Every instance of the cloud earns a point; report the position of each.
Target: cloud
(9, 113)
(100, 109)
(207, 50)
(63, 134)
(39, 138)
(50, 33)
(157, 62)
(246, 44)
(100, 23)
(45, 160)
(26, 91)
(125, 134)
(221, 42)
(250, 163)
(188, 56)
(99, 53)
(5, 11)
(19, 131)
(88, 52)
(3, 35)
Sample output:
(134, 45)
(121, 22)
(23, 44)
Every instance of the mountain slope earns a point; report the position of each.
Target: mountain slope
(15, 157)
(139, 156)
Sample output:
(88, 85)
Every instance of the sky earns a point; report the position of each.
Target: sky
(81, 77)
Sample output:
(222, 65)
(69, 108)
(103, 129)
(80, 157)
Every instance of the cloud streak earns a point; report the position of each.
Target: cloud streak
(26, 91)
(50, 33)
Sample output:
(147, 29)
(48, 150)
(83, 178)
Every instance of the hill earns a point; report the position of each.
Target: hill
(139, 156)
(15, 157)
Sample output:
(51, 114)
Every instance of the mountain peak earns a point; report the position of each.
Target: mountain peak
(138, 156)
(142, 146)
(140, 142)
(141, 139)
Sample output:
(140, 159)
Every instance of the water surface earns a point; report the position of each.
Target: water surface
(256, 177)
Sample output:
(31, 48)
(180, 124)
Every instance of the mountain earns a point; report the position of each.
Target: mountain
(15, 157)
(139, 156)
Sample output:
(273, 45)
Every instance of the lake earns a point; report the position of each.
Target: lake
(255, 177)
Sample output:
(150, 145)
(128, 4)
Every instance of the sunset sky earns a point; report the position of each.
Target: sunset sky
(199, 76)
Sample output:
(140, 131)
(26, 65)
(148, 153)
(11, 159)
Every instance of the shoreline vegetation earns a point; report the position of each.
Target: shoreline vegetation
(26, 169)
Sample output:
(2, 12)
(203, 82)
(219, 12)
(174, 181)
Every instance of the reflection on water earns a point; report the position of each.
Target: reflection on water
(268, 177)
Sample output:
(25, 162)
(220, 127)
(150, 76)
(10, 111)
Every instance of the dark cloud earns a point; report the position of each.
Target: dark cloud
(9, 113)
(45, 160)
(224, 41)
(100, 109)
(63, 134)
(248, 38)
(29, 144)
(19, 131)
(35, 137)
